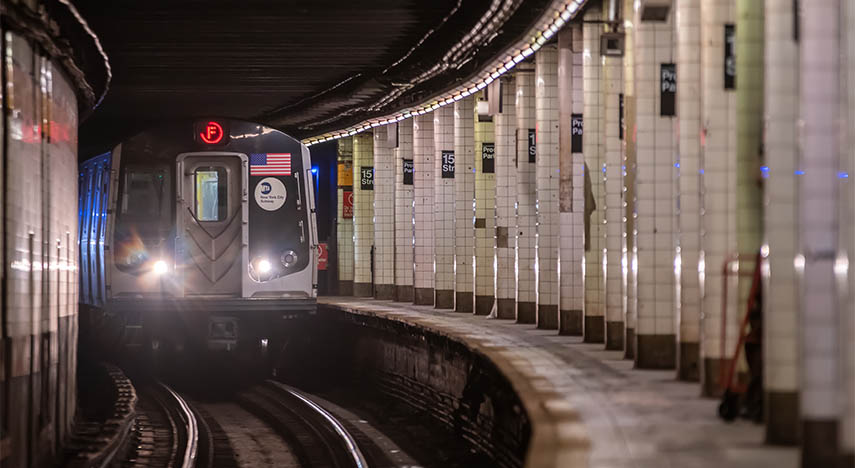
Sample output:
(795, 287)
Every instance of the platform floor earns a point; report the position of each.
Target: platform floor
(633, 418)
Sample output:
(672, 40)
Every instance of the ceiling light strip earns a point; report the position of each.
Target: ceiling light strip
(559, 14)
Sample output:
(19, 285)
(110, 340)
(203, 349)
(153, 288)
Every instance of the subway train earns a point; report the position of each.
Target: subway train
(198, 234)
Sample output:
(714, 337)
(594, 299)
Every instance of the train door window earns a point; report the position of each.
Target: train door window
(211, 193)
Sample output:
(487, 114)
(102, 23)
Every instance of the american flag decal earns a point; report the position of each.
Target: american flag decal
(270, 164)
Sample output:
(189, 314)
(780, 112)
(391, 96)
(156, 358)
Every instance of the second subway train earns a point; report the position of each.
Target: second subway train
(199, 233)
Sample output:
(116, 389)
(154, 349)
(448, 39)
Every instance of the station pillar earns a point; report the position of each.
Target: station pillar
(689, 145)
(384, 215)
(571, 201)
(464, 210)
(423, 209)
(485, 206)
(547, 178)
(656, 179)
(526, 213)
(595, 293)
(443, 215)
(401, 138)
(363, 214)
(344, 217)
(506, 197)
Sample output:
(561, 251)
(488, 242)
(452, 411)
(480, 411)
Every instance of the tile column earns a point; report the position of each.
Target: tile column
(718, 193)
(384, 216)
(818, 184)
(443, 215)
(546, 185)
(404, 183)
(655, 333)
(344, 217)
(464, 204)
(749, 159)
(506, 198)
(485, 211)
(688, 150)
(363, 214)
(526, 212)
(595, 287)
(847, 328)
(629, 260)
(571, 185)
(423, 209)
(612, 93)
(781, 293)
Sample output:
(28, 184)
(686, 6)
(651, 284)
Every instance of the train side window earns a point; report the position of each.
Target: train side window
(211, 193)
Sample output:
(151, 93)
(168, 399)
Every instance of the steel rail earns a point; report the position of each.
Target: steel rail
(191, 445)
(352, 447)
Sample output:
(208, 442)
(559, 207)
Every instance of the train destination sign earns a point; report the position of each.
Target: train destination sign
(211, 132)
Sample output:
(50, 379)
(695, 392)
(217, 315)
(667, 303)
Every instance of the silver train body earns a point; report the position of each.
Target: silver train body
(199, 232)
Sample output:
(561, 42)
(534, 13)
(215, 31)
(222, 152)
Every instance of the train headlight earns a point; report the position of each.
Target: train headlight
(264, 266)
(160, 267)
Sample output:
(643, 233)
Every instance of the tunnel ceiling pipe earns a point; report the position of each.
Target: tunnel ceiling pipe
(54, 27)
(554, 18)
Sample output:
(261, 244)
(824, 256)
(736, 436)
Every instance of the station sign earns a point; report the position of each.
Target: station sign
(347, 204)
(323, 256)
(366, 177)
(668, 90)
(729, 56)
(447, 164)
(409, 169)
(345, 174)
(576, 129)
(488, 158)
(532, 145)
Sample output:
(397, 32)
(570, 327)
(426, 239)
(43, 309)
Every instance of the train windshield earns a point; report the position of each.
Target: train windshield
(144, 193)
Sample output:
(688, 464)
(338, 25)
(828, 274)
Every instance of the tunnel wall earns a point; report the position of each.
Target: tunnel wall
(39, 201)
(434, 373)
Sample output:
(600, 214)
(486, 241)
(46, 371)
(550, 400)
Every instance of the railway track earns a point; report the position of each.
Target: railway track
(267, 425)
(166, 430)
(317, 437)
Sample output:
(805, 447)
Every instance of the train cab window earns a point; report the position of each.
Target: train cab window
(143, 193)
(211, 193)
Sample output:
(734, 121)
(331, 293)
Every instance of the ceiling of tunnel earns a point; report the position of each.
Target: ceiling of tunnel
(302, 66)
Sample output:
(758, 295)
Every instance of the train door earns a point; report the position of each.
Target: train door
(211, 223)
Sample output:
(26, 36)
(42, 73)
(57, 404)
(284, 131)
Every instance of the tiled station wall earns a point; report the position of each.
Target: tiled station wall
(38, 355)
(630, 192)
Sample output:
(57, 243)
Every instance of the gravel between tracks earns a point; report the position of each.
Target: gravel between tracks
(252, 440)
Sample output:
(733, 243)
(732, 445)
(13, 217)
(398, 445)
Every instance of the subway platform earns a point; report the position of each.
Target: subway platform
(589, 406)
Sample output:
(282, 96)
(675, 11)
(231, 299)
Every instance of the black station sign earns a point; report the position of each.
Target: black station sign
(620, 116)
(668, 90)
(488, 158)
(447, 164)
(576, 127)
(408, 171)
(366, 177)
(532, 145)
(729, 56)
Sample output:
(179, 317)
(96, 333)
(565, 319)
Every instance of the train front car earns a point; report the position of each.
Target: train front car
(211, 242)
